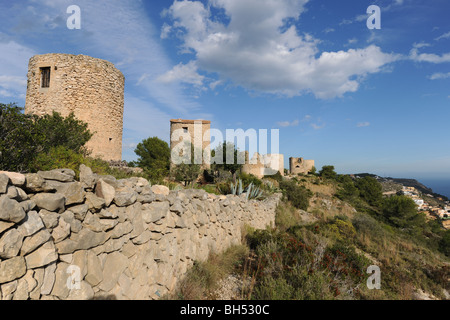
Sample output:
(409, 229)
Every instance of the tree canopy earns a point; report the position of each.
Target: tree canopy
(23, 137)
(154, 157)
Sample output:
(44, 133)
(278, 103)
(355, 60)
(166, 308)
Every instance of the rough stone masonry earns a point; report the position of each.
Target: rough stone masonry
(99, 237)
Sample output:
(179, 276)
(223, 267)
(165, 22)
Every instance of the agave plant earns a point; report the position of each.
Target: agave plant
(253, 192)
(237, 189)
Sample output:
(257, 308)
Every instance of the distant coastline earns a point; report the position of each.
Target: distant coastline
(440, 186)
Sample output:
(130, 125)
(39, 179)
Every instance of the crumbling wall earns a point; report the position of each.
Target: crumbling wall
(263, 165)
(300, 166)
(98, 237)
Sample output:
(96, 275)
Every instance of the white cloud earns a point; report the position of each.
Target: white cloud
(421, 45)
(186, 73)
(253, 52)
(288, 123)
(363, 124)
(428, 57)
(439, 75)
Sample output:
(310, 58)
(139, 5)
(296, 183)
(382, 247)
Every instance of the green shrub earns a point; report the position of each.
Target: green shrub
(328, 172)
(154, 157)
(298, 195)
(62, 157)
(23, 137)
(277, 176)
(347, 189)
(249, 178)
(370, 190)
(342, 229)
(401, 211)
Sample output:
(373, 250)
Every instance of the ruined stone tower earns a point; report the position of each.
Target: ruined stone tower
(300, 166)
(91, 88)
(199, 133)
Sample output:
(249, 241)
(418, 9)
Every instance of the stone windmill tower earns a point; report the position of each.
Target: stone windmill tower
(91, 88)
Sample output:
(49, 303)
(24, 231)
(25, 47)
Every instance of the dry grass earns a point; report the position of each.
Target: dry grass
(202, 279)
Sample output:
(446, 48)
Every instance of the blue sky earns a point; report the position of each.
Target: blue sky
(362, 100)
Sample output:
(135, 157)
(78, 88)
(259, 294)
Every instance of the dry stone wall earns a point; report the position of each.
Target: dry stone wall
(98, 237)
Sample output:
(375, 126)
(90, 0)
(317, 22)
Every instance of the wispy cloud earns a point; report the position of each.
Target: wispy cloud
(443, 36)
(288, 123)
(439, 75)
(363, 124)
(428, 57)
(318, 126)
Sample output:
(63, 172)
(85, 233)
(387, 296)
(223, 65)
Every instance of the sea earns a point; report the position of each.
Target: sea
(440, 186)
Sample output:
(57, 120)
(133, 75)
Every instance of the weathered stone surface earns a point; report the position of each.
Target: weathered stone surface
(108, 214)
(129, 249)
(4, 181)
(144, 237)
(111, 180)
(32, 243)
(25, 285)
(21, 195)
(5, 226)
(92, 221)
(74, 194)
(60, 287)
(62, 175)
(146, 198)
(115, 264)
(15, 178)
(79, 211)
(10, 244)
(85, 292)
(50, 219)
(94, 273)
(121, 229)
(158, 189)
(36, 183)
(177, 207)
(49, 279)
(80, 260)
(8, 289)
(154, 211)
(94, 203)
(62, 231)
(38, 276)
(12, 193)
(31, 224)
(105, 191)
(10, 210)
(87, 177)
(27, 205)
(43, 256)
(85, 239)
(50, 201)
(12, 269)
(138, 225)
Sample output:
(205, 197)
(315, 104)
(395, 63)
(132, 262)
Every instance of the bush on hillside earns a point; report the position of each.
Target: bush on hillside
(298, 195)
